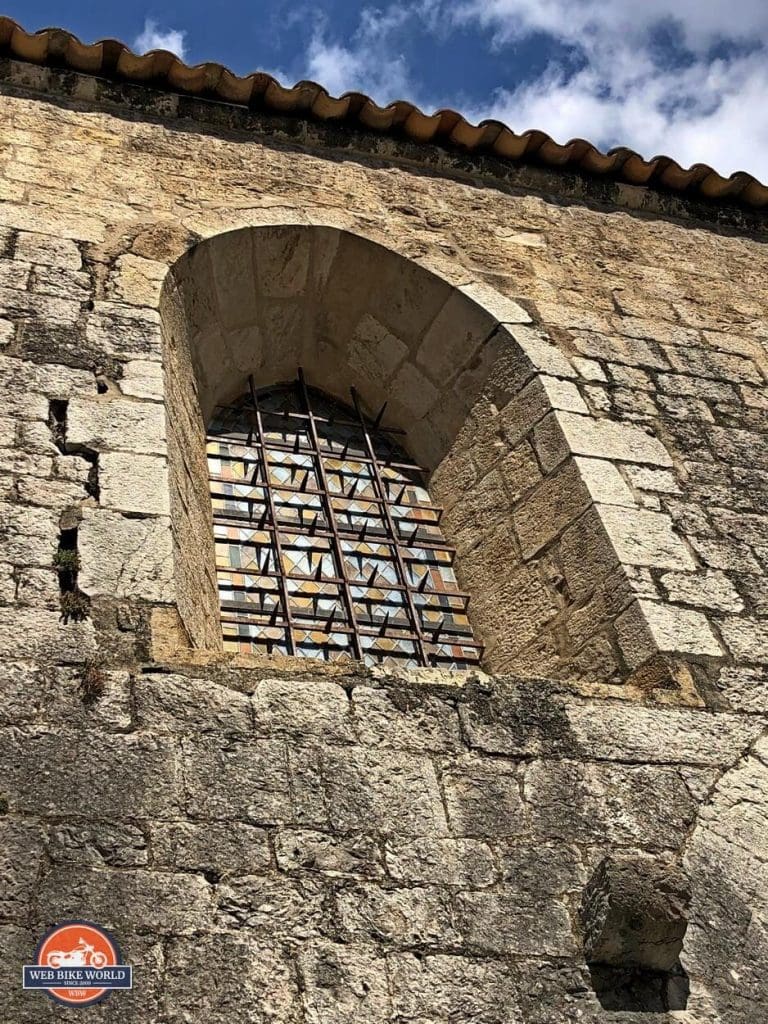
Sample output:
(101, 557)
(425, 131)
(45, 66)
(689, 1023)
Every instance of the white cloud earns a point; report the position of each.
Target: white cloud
(687, 79)
(594, 23)
(369, 61)
(152, 37)
(707, 105)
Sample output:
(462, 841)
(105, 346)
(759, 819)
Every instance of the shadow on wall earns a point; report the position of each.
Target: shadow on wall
(463, 374)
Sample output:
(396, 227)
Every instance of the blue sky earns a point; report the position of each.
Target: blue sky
(689, 78)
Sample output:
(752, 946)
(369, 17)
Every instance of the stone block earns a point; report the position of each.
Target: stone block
(609, 439)
(296, 707)
(236, 779)
(641, 537)
(55, 494)
(483, 800)
(124, 332)
(604, 482)
(218, 977)
(35, 784)
(564, 394)
(7, 331)
(413, 916)
(632, 351)
(416, 721)
(413, 392)
(134, 483)
(634, 913)
(122, 557)
(538, 354)
(502, 923)
(646, 735)
(546, 511)
(21, 855)
(117, 424)
(647, 628)
(180, 704)
(587, 556)
(231, 257)
(214, 849)
(514, 606)
(136, 281)
(453, 337)
(745, 689)
(43, 634)
(646, 479)
(453, 988)
(498, 306)
(464, 863)
(379, 352)
(521, 414)
(8, 583)
(350, 855)
(379, 791)
(572, 802)
(282, 262)
(29, 536)
(60, 281)
(273, 907)
(343, 983)
(537, 870)
(519, 470)
(97, 845)
(747, 639)
(550, 443)
(589, 369)
(50, 250)
(142, 378)
(707, 589)
(720, 365)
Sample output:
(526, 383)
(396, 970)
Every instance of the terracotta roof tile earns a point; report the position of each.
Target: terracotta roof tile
(163, 70)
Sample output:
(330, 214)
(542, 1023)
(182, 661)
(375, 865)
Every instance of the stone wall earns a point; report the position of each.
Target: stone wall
(274, 842)
(363, 847)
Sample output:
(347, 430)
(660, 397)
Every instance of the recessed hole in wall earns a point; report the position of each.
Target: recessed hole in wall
(57, 422)
(639, 990)
(73, 602)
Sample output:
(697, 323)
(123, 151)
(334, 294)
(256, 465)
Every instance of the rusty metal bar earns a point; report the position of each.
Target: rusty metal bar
(336, 540)
(276, 533)
(414, 615)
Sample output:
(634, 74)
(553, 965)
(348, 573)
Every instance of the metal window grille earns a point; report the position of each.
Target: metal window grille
(327, 544)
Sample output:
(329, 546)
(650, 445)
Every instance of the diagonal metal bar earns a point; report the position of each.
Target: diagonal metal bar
(335, 539)
(275, 533)
(402, 572)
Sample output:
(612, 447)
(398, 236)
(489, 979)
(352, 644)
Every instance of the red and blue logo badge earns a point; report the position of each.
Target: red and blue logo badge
(78, 963)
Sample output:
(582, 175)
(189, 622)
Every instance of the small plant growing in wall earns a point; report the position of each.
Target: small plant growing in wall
(92, 683)
(74, 604)
(67, 560)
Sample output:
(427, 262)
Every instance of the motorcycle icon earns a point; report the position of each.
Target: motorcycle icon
(82, 955)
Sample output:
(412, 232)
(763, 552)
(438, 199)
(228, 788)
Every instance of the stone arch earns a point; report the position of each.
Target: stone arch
(490, 409)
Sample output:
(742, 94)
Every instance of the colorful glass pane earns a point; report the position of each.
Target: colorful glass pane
(327, 545)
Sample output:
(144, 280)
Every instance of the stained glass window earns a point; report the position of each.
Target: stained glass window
(327, 544)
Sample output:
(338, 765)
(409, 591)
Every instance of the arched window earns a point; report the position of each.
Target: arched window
(326, 541)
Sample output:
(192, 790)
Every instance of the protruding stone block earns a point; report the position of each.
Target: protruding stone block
(634, 914)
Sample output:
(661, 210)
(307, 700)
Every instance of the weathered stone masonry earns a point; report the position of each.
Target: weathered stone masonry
(274, 841)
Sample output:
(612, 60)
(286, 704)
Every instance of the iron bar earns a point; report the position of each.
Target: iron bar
(338, 548)
(402, 572)
(276, 533)
(372, 608)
